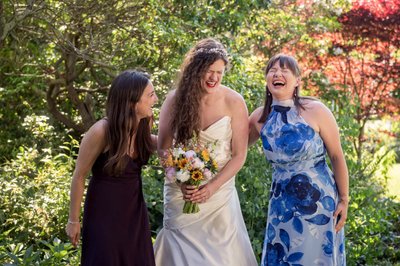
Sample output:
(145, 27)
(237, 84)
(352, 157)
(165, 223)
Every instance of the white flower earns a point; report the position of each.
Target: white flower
(170, 174)
(207, 173)
(337, 51)
(177, 152)
(213, 149)
(190, 154)
(197, 163)
(183, 176)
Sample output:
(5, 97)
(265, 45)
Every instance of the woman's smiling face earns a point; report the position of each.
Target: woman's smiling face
(281, 82)
(144, 107)
(213, 77)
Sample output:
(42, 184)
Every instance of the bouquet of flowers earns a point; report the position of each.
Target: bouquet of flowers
(191, 164)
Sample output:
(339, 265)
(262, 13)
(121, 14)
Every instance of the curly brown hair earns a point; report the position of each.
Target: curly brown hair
(189, 91)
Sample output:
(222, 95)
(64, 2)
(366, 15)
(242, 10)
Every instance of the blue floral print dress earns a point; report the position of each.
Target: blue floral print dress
(303, 197)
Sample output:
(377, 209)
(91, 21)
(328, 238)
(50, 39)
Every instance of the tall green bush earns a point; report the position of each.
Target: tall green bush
(34, 206)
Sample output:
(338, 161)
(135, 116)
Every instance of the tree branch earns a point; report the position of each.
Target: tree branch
(7, 27)
(51, 103)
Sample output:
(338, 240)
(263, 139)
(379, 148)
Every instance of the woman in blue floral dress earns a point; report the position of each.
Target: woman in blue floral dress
(308, 203)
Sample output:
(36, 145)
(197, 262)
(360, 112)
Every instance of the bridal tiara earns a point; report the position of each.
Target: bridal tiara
(219, 51)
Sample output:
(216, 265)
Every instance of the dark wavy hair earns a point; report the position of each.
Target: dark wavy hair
(189, 91)
(126, 90)
(290, 63)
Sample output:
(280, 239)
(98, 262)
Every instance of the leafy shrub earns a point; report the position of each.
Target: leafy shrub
(153, 182)
(253, 184)
(34, 204)
(42, 253)
(373, 227)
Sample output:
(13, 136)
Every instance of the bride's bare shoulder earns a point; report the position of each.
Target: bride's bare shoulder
(232, 96)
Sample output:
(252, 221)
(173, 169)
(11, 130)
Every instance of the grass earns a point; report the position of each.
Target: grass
(394, 182)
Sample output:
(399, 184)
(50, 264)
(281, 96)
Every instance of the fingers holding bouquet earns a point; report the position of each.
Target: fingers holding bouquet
(188, 191)
(203, 193)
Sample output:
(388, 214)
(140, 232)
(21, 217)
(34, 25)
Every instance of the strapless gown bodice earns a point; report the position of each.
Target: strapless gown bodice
(219, 133)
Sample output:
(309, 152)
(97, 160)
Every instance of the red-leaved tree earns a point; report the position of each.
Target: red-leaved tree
(363, 59)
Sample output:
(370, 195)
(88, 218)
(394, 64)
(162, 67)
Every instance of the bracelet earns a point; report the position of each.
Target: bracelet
(71, 222)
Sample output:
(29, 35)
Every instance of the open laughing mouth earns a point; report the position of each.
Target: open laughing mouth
(278, 83)
(211, 84)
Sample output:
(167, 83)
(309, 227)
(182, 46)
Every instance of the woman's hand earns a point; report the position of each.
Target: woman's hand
(203, 193)
(341, 214)
(73, 231)
(187, 191)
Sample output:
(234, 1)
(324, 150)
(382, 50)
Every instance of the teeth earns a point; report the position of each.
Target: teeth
(211, 84)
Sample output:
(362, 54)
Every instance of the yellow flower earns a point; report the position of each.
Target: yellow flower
(197, 175)
(205, 155)
(182, 163)
(215, 165)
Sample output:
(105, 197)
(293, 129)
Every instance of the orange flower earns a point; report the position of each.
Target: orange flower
(169, 161)
(197, 175)
(182, 163)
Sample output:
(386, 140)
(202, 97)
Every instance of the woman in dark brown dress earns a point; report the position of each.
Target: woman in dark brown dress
(115, 228)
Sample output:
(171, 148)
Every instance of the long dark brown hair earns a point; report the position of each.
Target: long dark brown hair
(290, 63)
(126, 90)
(189, 91)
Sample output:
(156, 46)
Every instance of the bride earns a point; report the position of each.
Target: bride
(200, 105)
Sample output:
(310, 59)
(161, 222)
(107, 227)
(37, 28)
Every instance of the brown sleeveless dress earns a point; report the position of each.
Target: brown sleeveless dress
(115, 220)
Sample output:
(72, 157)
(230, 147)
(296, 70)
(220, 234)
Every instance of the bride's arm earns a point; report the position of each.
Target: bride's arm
(165, 135)
(240, 134)
(254, 126)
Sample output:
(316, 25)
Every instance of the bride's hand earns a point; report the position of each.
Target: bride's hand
(187, 191)
(203, 193)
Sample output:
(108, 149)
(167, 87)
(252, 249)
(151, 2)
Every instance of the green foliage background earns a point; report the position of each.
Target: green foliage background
(38, 151)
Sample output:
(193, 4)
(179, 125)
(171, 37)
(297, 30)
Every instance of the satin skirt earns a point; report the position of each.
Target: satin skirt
(215, 236)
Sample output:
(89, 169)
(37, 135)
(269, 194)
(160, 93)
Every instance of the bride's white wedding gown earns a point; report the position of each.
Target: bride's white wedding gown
(215, 236)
